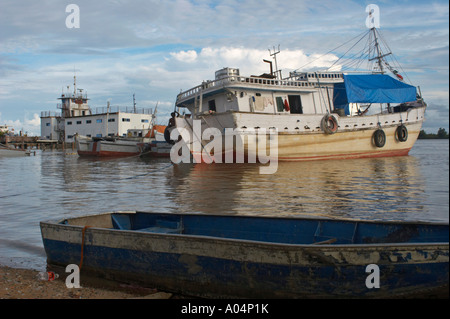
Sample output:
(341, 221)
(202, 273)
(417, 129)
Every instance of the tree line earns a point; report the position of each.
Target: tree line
(441, 134)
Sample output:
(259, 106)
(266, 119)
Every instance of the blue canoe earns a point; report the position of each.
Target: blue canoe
(254, 257)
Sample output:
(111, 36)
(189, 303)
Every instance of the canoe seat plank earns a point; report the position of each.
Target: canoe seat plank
(161, 230)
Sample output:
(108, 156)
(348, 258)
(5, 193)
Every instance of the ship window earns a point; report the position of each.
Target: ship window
(212, 105)
(258, 94)
(144, 121)
(78, 122)
(99, 120)
(280, 104)
(112, 120)
(47, 124)
(88, 121)
(69, 123)
(295, 104)
(125, 119)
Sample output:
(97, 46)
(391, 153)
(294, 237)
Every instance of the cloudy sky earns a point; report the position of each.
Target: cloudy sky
(157, 48)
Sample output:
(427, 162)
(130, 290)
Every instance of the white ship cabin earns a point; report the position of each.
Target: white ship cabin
(119, 124)
(77, 117)
(74, 104)
(301, 93)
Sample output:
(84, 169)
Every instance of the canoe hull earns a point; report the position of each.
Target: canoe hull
(220, 267)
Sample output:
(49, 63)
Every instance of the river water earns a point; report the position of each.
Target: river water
(57, 184)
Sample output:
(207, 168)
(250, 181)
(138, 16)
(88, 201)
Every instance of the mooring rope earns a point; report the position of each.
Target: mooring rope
(83, 232)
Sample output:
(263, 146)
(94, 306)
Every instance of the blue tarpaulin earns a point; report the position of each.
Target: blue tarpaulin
(371, 88)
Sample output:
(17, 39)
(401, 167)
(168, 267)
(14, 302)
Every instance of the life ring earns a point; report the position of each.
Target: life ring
(379, 138)
(402, 133)
(329, 124)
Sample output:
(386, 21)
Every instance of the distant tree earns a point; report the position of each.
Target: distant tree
(442, 133)
(422, 134)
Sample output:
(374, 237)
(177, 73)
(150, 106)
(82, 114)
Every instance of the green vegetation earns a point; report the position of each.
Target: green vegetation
(441, 134)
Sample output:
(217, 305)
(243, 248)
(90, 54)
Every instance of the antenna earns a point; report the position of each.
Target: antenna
(274, 54)
(74, 81)
(134, 103)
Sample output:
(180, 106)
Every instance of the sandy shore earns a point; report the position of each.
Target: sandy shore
(17, 283)
(24, 284)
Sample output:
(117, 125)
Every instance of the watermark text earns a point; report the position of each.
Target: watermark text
(73, 19)
(373, 19)
(373, 280)
(73, 279)
(214, 146)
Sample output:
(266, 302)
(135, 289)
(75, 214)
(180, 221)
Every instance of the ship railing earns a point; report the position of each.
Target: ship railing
(308, 82)
(62, 106)
(317, 76)
(69, 95)
(50, 114)
(124, 109)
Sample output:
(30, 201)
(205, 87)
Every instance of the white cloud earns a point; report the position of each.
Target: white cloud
(185, 56)
(34, 122)
(32, 126)
(248, 60)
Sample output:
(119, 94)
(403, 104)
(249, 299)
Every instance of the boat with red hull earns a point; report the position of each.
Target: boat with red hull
(116, 146)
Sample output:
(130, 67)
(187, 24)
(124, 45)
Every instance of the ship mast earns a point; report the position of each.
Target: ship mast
(380, 54)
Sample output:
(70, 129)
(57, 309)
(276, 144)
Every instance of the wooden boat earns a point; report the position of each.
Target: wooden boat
(253, 257)
(306, 116)
(114, 146)
(107, 146)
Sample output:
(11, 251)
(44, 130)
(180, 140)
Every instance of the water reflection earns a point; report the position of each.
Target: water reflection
(54, 185)
(384, 188)
(209, 188)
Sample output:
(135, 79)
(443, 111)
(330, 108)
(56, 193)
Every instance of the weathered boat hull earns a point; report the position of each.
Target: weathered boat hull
(102, 148)
(301, 138)
(345, 145)
(215, 266)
